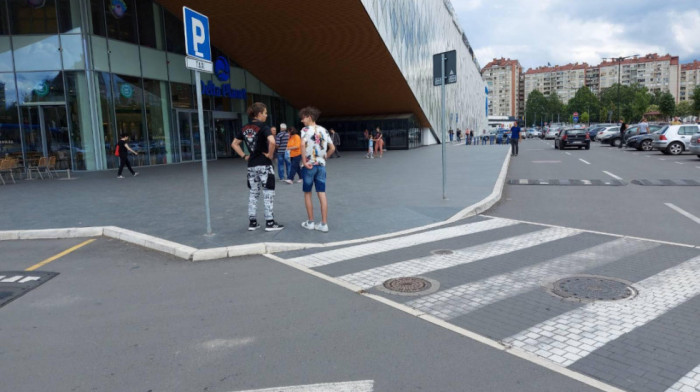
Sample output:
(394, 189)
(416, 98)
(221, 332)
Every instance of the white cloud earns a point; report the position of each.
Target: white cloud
(560, 32)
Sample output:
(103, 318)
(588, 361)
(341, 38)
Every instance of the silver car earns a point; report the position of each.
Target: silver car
(674, 139)
(607, 133)
(694, 147)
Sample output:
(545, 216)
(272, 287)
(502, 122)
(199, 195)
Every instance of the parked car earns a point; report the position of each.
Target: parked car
(674, 139)
(607, 133)
(593, 131)
(532, 132)
(634, 130)
(694, 146)
(572, 137)
(642, 142)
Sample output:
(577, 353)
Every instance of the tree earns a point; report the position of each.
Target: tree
(667, 105)
(555, 107)
(696, 100)
(585, 118)
(684, 109)
(536, 107)
(585, 101)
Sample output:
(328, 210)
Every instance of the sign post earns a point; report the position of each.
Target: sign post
(199, 59)
(575, 117)
(444, 64)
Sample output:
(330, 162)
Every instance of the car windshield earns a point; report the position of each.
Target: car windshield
(576, 132)
(663, 130)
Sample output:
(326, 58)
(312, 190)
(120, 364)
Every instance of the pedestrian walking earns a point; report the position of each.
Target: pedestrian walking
(316, 145)
(261, 146)
(623, 128)
(471, 136)
(122, 152)
(459, 135)
(379, 142)
(336, 142)
(283, 159)
(452, 134)
(294, 148)
(370, 145)
(514, 139)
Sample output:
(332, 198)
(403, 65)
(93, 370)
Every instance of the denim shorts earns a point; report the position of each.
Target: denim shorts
(315, 176)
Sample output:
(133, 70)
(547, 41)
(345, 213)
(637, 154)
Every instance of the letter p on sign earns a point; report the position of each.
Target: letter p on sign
(196, 34)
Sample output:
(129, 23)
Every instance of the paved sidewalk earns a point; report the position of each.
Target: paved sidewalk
(366, 197)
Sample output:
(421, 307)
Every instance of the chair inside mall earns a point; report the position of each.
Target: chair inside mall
(42, 164)
(7, 166)
(51, 166)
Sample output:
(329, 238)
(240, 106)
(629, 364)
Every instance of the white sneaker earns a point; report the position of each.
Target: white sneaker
(309, 225)
(322, 227)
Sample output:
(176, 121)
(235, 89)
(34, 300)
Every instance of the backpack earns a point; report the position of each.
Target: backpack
(116, 151)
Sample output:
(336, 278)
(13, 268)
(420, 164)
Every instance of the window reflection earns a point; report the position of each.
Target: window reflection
(120, 16)
(10, 142)
(36, 52)
(69, 20)
(40, 87)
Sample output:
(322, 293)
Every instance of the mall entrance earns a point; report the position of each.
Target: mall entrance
(226, 125)
(188, 133)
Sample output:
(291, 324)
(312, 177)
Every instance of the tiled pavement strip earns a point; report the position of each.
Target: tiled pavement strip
(569, 337)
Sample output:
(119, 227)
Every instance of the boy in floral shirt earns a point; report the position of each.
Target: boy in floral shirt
(316, 147)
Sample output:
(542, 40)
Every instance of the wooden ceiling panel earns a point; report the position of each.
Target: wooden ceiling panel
(325, 53)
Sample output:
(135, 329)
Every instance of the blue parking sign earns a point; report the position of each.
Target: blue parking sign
(196, 34)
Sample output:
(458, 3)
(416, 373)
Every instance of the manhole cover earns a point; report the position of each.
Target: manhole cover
(410, 286)
(593, 288)
(443, 252)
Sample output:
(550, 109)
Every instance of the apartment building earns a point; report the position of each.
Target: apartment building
(656, 73)
(502, 77)
(564, 80)
(690, 78)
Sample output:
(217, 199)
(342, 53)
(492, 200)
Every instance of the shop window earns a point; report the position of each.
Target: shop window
(4, 21)
(120, 16)
(10, 140)
(97, 12)
(150, 24)
(160, 143)
(128, 109)
(40, 87)
(69, 19)
(33, 17)
(181, 95)
(174, 33)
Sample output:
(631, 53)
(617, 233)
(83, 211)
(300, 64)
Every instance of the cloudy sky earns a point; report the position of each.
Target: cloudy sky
(536, 32)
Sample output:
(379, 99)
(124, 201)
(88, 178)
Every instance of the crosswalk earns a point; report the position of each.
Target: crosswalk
(496, 287)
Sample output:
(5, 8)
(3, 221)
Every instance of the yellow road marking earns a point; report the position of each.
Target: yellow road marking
(52, 258)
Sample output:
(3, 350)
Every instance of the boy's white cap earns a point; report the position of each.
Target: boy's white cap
(283, 126)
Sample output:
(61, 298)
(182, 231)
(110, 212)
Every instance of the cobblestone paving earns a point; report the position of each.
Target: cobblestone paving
(648, 343)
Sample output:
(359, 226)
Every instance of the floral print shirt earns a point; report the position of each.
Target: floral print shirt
(317, 140)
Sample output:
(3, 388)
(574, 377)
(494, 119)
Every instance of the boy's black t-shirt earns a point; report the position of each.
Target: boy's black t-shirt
(123, 152)
(254, 135)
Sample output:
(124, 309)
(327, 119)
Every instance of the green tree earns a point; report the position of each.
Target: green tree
(684, 109)
(696, 100)
(555, 107)
(667, 105)
(629, 103)
(535, 107)
(585, 118)
(585, 101)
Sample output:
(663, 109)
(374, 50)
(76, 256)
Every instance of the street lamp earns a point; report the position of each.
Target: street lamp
(619, 71)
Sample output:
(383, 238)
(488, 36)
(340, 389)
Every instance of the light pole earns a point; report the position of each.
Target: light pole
(619, 72)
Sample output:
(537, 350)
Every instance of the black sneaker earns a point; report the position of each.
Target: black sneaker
(253, 225)
(273, 226)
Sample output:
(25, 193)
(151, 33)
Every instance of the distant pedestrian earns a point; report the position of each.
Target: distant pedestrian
(452, 134)
(316, 146)
(643, 126)
(261, 146)
(459, 135)
(294, 148)
(336, 142)
(283, 160)
(623, 128)
(124, 150)
(379, 142)
(471, 136)
(514, 139)
(370, 146)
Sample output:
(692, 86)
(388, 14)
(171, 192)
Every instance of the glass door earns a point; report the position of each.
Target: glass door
(184, 125)
(45, 134)
(224, 131)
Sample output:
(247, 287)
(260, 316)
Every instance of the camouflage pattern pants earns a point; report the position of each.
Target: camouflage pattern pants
(261, 178)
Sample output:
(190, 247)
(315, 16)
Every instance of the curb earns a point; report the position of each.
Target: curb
(193, 254)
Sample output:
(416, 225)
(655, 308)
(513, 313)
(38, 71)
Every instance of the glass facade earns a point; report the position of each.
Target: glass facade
(415, 30)
(75, 74)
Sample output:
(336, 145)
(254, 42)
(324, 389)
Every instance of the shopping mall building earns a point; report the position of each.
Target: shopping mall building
(75, 74)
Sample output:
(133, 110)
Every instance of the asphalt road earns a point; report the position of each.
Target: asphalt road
(633, 210)
(122, 318)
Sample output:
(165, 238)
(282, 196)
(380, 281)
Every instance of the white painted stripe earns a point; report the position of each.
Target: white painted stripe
(460, 300)
(546, 161)
(683, 212)
(680, 163)
(414, 267)
(612, 175)
(352, 386)
(584, 161)
(689, 382)
(567, 153)
(586, 182)
(523, 181)
(351, 252)
(586, 329)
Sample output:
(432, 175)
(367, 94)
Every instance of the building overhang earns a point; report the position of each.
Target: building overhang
(324, 53)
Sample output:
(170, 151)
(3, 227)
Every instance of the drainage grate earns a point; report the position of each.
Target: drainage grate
(593, 288)
(409, 286)
(442, 252)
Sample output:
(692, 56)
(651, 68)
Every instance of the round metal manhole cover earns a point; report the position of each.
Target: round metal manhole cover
(409, 286)
(593, 288)
(442, 252)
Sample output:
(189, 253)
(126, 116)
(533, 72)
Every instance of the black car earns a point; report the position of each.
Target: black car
(573, 137)
(642, 142)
